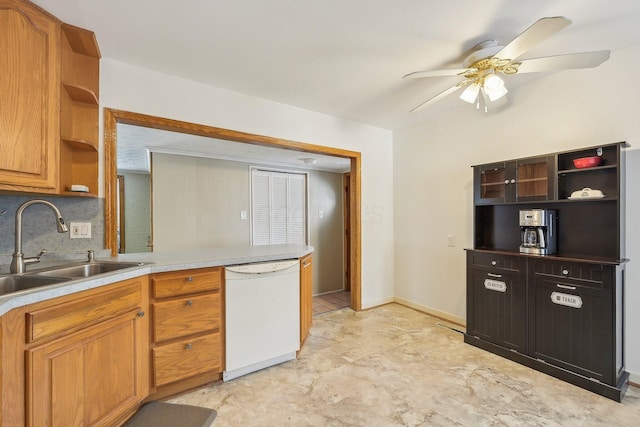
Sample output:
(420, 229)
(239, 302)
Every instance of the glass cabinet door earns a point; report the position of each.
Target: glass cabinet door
(534, 179)
(492, 182)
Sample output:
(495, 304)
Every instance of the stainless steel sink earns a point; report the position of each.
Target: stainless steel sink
(15, 283)
(12, 283)
(87, 269)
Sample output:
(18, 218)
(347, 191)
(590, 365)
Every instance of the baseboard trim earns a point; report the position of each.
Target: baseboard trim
(373, 304)
(432, 312)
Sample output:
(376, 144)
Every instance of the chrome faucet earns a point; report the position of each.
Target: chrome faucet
(19, 262)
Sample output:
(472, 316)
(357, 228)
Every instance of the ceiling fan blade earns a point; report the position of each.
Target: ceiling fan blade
(436, 73)
(564, 62)
(540, 30)
(436, 98)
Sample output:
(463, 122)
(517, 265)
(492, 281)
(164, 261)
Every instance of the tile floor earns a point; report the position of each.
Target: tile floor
(394, 366)
(331, 301)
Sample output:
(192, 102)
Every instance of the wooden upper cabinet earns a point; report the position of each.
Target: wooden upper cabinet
(29, 104)
(49, 81)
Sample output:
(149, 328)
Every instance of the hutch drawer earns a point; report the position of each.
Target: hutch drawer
(495, 261)
(569, 270)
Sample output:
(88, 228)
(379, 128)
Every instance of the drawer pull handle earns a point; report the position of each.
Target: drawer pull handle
(573, 288)
(189, 279)
(189, 302)
(494, 263)
(188, 347)
(306, 265)
(497, 276)
(140, 314)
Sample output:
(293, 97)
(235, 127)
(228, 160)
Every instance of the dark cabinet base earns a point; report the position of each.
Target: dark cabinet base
(615, 393)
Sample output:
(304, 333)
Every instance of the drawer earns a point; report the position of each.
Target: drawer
(186, 282)
(184, 359)
(494, 261)
(568, 285)
(83, 311)
(569, 270)
(185, 316)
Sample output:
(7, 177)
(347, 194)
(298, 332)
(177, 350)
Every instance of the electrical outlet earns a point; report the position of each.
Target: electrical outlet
(80, 230)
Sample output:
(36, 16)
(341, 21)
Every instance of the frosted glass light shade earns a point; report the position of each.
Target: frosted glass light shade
(470, 93)
(494, 87)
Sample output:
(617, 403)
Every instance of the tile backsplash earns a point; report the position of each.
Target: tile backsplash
(39, 228)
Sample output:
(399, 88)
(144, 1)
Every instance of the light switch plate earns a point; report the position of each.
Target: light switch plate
(80, 230)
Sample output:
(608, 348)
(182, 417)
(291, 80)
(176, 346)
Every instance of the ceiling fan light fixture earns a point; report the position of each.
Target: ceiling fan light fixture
(494, 87)
(470, 94)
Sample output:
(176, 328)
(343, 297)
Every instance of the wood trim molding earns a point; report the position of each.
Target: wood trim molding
(112, 117)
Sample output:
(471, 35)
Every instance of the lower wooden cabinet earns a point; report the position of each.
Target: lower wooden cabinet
(562, 317)
(306, 297)
(87, 366)
(68, 380)
(186, 332)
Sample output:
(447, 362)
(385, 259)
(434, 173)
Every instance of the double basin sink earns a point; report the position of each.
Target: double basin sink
(13, 283)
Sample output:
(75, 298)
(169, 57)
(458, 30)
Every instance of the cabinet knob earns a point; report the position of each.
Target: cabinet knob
(506, 181)
(513, 181)
(140, 314)
(189, 279)
(565, 272)
(188, 346)
(189, 302)
(493, 263)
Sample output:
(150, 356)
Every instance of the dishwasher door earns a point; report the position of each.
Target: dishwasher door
(262, 316)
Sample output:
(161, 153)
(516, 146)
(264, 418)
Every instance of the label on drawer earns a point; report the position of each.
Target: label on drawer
(495, 285)
(566, 299)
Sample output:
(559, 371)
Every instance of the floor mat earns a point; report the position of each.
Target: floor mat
(163, 414)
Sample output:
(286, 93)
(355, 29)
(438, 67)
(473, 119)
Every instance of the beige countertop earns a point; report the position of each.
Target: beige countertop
(155, 263)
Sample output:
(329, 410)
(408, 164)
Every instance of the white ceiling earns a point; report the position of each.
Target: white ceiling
(345, 58)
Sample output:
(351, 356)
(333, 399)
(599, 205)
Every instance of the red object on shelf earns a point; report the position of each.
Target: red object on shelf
(587, 162)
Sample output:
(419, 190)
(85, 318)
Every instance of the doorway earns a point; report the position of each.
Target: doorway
(113, 117)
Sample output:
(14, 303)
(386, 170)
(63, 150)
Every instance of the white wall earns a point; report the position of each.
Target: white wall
(135, 89)
(433, 177)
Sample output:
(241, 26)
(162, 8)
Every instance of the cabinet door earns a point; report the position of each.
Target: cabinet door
(29, 75)
(492, 183)
(571, 325)
(306, 297)
(534, 179)
(67, 380)
(496, 308)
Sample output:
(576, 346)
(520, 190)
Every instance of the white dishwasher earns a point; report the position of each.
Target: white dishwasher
(262, 315)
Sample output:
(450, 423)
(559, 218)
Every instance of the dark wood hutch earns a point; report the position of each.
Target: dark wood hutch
(528, 319)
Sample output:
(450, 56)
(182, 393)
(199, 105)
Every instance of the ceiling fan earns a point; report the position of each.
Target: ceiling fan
(482, 68)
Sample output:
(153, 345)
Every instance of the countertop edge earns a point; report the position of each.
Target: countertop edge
(156, 263)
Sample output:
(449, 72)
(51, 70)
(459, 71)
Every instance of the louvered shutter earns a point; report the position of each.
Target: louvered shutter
(278, 204)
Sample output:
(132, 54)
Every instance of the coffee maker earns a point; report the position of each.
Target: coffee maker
(538, 231)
